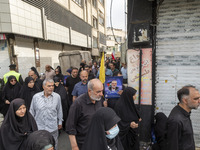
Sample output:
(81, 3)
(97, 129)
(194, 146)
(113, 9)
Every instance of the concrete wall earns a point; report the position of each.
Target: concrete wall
(56, 32)
(24, 49)
(4, 58)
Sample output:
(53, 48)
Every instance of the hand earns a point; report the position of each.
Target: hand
(75, 148)
(7, 102)
(133, 125)
(105, 103)
(59, 127)
(140, 119)
(120, 92)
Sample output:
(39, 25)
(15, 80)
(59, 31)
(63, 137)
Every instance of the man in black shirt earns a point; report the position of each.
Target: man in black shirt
(179, 125)
(81, 112)
(70, 83)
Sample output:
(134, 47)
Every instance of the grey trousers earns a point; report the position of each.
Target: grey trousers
(55, 135)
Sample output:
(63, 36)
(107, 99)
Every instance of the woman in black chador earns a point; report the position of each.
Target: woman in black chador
(126, 110)
(27, 91)
(40, 140)
(10, 92)
(160, 131)
(59, 74)
(103, 131)
(60, 89)
(16, 127)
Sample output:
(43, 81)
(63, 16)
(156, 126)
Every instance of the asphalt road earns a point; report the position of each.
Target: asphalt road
(63, 141)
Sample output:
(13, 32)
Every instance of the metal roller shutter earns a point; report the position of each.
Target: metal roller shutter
(178, 55)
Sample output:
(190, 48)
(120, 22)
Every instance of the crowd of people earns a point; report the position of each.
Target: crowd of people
(37, 108)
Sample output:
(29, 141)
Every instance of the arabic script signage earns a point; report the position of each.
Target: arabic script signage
(133, 60)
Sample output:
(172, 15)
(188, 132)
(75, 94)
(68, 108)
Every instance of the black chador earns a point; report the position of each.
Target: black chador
(103, 120)
(10, 92)
(27, 92)
(15, 130)
(126, 110)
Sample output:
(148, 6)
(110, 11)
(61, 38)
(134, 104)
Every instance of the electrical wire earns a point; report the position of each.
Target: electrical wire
(111, 23)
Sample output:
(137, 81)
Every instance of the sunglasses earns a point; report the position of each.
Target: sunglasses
(12, 80)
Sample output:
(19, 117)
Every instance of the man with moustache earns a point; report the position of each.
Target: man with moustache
(179, 125)
(46, 108)
(37, 80)
(80, 87)
(81, 112)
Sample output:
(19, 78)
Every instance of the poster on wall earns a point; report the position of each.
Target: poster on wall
(112, 87)
(133, 64)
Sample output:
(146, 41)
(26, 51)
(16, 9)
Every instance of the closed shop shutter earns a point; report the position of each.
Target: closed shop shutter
(178, 55)
(24, 49)
(49, 53)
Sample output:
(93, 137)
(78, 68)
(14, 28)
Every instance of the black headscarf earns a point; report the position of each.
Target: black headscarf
(38, 140)
(103, 120)
(14, 130)
(35, 71)
(60, 75)
(126, 110)
(60, 89)
(27, 93)
(10, 92)
(125, 107)
(160, 128)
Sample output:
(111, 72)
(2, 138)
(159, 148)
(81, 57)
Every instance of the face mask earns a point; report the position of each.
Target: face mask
(113, 132)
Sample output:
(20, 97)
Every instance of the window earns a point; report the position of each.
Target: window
(102, 2)
(95, 42)
(94, 3)
(101, 18)
(109, 37)
(95, 23)
(79, 2)
(119, 39)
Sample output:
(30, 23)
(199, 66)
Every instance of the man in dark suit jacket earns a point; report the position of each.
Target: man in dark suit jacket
(113, 86)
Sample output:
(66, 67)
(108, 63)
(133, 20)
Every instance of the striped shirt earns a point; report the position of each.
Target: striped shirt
(47, 111)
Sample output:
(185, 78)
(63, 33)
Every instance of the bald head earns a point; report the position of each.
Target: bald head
(84, 76)
(95, 89)
(92, 83)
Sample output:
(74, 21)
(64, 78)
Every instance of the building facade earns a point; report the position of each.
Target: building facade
(163, 56)
(114, 43)
(33, 33)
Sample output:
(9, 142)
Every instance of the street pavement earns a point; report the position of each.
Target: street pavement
(63, 141)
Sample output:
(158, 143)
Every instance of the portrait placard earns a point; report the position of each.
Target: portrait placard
(112, 86)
